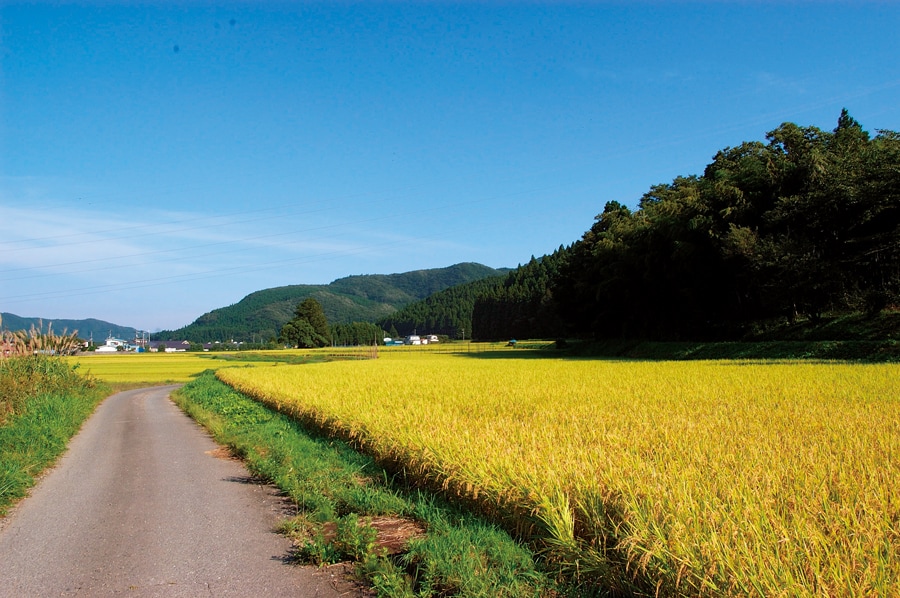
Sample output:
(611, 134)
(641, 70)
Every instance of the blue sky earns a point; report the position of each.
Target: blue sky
(159, 160)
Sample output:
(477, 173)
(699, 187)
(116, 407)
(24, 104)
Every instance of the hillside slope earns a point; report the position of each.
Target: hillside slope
(361, 298)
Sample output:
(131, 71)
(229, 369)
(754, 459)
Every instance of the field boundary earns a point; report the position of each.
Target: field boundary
(343, 496)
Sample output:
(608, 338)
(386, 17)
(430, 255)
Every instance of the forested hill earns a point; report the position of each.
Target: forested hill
(799, 229)
(804, 226)
(446, 312)
(98, 329)
(802, 229)
(363, 298)
(518, 305)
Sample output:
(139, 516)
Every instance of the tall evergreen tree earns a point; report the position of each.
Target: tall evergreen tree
(523, 306)
(311, 311)
(309, 327)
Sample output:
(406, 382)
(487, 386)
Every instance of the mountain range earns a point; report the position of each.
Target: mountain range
(87, 329)
(260, 315)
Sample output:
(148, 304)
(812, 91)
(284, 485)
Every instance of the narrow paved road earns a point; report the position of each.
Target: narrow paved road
(141, 505)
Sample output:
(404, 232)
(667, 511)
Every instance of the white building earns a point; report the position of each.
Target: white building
(112, 345)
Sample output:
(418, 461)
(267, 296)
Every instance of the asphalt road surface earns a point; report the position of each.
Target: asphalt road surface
(143, 504)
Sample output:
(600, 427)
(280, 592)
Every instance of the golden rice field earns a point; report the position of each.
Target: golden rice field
(172, 368)
(681, 478)
(146, 368)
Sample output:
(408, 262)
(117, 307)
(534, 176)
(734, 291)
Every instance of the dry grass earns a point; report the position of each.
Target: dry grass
(26, 368)
(36, 341)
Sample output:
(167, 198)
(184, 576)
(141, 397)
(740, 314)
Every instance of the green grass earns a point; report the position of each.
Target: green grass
(51, 404)
(884, 351)
(847, 337)
(283, 356)
(843, 327)
(340, 491)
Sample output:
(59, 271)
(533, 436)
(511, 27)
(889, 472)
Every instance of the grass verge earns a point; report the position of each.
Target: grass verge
(884, 351)
(847, 337)
(47, 415)
(405, 542)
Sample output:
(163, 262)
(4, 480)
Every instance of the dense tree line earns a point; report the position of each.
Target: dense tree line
(356, 334)
(522, 306)
(805, 224)
(447, 312)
